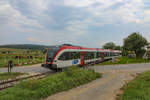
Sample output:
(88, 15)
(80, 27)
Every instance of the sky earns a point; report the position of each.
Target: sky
(90, 23)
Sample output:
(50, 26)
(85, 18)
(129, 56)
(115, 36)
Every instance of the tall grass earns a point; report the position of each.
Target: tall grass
(38, 89)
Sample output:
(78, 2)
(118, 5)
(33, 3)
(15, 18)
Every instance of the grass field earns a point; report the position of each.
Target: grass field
(38, 89)
(137, 89)
(125, 60)
(20, 57)
(5, 76)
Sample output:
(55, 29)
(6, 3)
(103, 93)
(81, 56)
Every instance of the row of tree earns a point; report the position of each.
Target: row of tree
(133, 44)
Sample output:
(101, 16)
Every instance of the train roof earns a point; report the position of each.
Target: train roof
(85, 48)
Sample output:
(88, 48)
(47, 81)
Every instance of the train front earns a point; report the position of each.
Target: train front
(50, 55)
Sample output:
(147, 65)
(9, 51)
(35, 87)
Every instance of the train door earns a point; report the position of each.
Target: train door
(102, 56)
(82, 59)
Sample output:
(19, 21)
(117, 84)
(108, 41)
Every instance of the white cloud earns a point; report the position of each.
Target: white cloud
(77, 19)
(35, 7)
(101, 43)
(129, 11)
(78, 3)
(147, 36)
(77, 27)
(14, 18)
(34, 40)
(87, 3)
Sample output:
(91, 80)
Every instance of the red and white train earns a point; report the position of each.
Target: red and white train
(58, 57)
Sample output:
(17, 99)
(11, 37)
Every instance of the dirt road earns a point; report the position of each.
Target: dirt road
(106, 88)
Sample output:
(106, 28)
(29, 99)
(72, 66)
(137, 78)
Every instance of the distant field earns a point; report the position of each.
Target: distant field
(20, 56)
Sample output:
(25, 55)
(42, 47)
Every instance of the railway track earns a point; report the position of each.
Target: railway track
(11, 83)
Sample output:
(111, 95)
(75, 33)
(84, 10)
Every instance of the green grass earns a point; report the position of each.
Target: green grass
(125, 60)
(137, 89)
(5, 76)
(38, 89)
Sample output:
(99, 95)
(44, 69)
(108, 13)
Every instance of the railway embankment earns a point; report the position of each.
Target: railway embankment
(38, 89)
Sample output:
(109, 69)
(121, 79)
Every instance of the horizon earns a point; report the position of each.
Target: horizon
(86, 23)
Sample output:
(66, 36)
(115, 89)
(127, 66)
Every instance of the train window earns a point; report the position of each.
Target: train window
(75, 55)
(111, 54)
(116, 54)
(52, 51)
(65, 56)
(106, 54)
(90, 55)
(86, 55)
(98, 55)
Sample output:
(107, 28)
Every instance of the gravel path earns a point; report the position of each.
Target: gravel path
(106, 88)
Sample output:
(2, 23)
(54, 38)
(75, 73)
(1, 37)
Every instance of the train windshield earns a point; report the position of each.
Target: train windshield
(52, 52)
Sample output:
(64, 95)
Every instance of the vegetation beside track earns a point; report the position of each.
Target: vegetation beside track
(125, 60)
(20, 56)
(137, 89)
(38, 89)
(5, 76)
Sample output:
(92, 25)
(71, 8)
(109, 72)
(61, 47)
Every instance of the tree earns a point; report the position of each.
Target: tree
(111, 45)
(135, 42)
(118, 47)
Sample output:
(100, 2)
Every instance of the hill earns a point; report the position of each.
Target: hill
(25, 46)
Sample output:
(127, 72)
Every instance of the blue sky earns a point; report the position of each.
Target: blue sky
(88, 23)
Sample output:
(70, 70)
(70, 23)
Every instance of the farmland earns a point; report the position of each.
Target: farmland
(20, 56)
